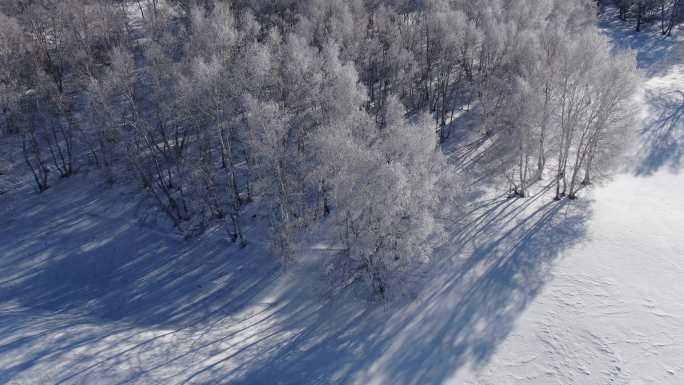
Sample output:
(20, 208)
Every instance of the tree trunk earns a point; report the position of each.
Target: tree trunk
(39, 171)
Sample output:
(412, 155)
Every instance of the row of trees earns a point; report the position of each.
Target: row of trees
(320, 111)
(667, 13)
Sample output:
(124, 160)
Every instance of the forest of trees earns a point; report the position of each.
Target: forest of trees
(335, 112)
(667, 13)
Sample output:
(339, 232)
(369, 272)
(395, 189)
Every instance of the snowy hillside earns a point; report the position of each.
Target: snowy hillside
(525, 291)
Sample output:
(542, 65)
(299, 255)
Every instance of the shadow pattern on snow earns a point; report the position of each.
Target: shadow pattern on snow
(655, 53)
(89, 254)
(662, 138)
(131, 301)
(490, 272)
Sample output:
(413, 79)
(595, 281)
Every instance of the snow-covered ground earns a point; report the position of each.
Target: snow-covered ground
(528, 292)
(613, 311)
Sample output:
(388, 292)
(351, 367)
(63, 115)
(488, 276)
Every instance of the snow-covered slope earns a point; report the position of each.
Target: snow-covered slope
(613, 312)
(528, 292)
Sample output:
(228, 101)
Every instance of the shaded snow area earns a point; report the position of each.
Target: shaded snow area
(526, 292)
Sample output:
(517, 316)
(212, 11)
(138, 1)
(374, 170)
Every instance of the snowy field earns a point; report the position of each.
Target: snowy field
(529, 292)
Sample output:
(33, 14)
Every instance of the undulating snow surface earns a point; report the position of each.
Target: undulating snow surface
(528, 292)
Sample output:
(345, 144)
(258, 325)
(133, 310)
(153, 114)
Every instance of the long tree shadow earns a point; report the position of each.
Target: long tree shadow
(662, 138)
(79, 257)
(468, 309)
(654, 53)
(215, 323)
(65, 257)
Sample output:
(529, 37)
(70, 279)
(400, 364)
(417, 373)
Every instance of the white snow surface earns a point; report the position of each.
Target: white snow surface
(527, 291)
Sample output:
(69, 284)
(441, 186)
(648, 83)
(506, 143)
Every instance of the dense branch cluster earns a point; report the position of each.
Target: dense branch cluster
(334, 112)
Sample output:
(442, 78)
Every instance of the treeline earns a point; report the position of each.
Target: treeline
(320, 111)
(666, 13)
